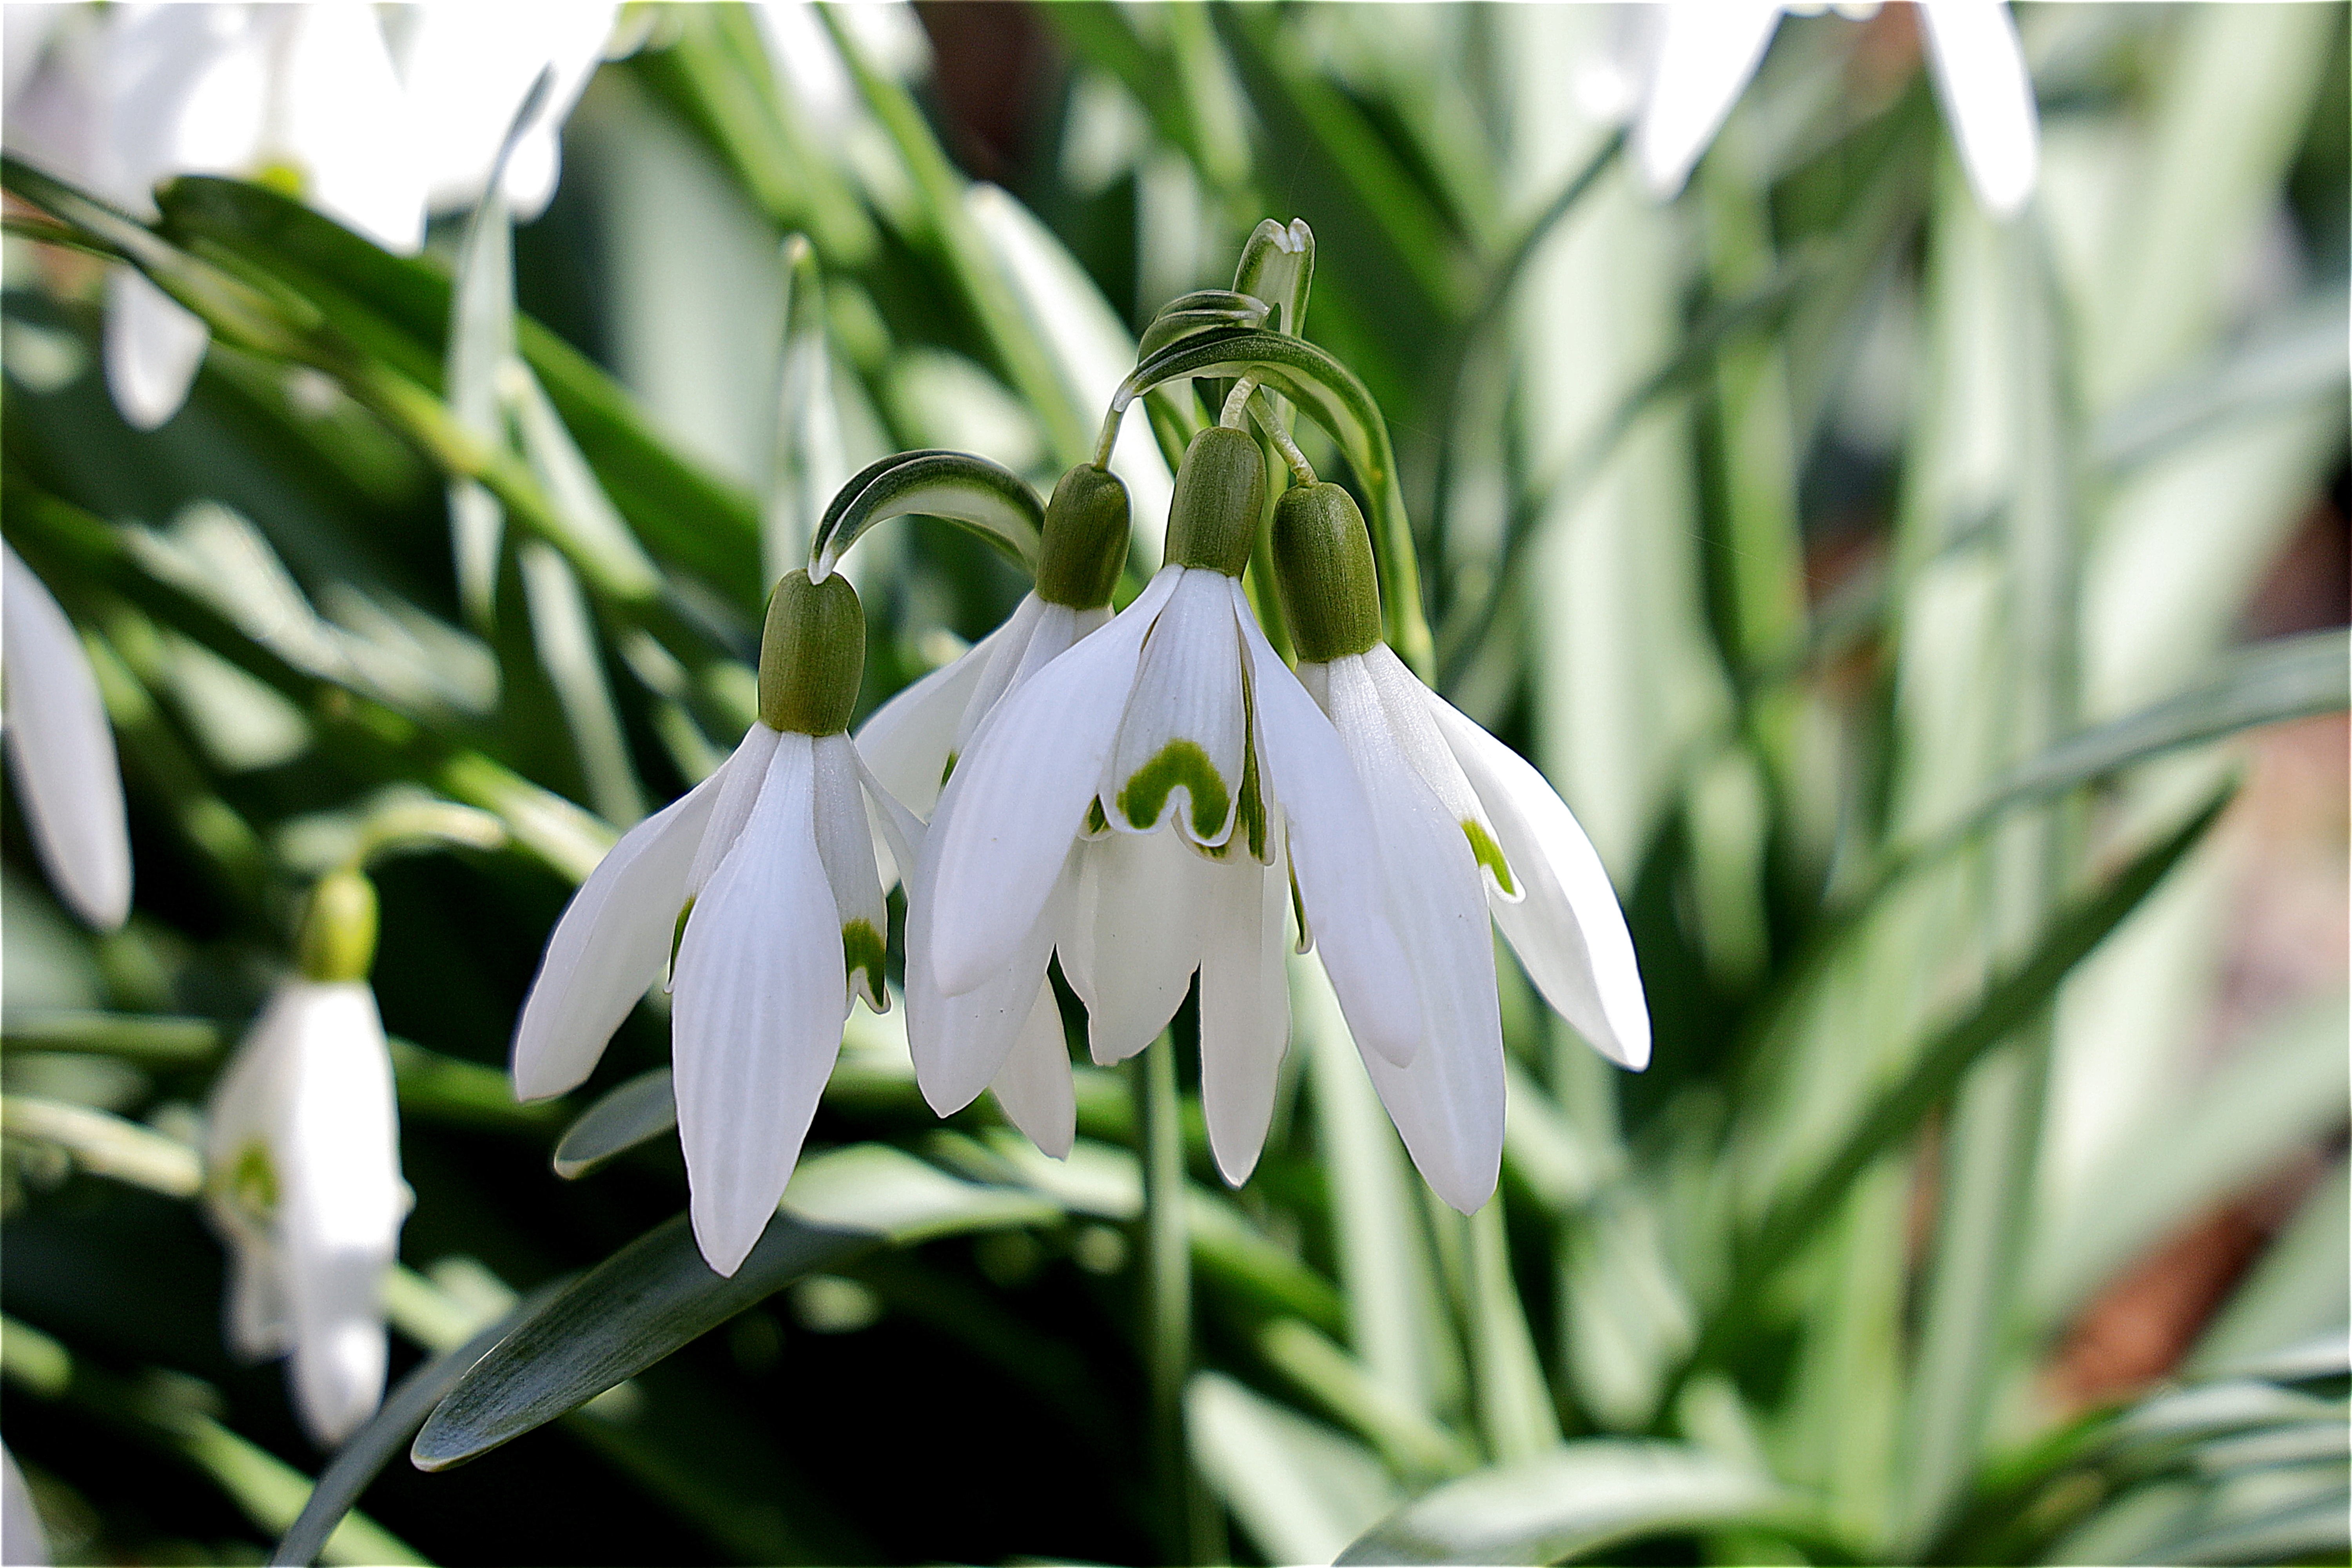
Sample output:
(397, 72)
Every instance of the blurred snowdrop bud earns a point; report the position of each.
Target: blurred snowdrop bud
(764, 876)
(60, 751)
(22, 1539)
(1699, 58)
(303, 1170)
(469, 67)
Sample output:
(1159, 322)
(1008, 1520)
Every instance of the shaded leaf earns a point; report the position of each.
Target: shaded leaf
(629, 1113)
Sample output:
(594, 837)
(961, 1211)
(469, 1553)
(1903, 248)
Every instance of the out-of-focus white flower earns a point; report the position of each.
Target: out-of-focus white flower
(1700, 54)
(1465, 826)
(302, 1172)
(1146, 802)
(468, 68)
(60, 751)
(771, 865)
(22, 1539)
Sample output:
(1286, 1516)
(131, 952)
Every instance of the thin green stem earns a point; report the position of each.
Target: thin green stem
(1167, 1291)
(1268, 420)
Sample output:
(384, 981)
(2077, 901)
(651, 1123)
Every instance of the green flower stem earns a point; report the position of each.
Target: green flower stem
(1270, 421)
(1167, 1293)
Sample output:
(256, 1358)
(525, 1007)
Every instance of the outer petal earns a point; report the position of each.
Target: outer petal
(469, 67)
(342, 1203)
(738, 784)
(1023, 795)
(1333, 855)
(761, 996)
(153, 348)
(1404, 708)
(1146, 899)
(62, 750)
(1179, 757)
(908, 739)
(1568, 930)
(1988, 98)
(1245, 1010)
(609, 946)
(1034, 1088)
(241, 1122)
(1456, 1138)
(346, 124)
(22, 1539)
(1706, 52)
(846, 846)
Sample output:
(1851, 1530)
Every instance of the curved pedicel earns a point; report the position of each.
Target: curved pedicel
(986, 498)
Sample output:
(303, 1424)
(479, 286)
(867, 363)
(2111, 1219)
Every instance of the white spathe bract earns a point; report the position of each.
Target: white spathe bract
(1703, 52)
(1467, 826)
(60, 751)
(1144, 803)
(772, 858)
(302, 1177)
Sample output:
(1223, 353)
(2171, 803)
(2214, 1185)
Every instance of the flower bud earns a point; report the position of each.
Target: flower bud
(337, 941)
(1220, 494)
(811, 654)
(1086, 538)
(1323, 568)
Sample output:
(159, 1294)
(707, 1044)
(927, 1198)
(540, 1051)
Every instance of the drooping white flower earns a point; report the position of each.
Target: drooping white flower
(60, 751)
(1466, 826)
(468, 68)
(1701, 54)
(22, 1539)
(1145, 803)
(771, 861)
(302, 1172)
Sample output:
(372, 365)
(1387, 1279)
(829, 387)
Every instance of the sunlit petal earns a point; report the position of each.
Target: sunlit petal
(1706, 52)
(1244, 1009)
(62, 751)
(1034, 1088)
(1979, 72)
(735, 789)
(1148, 896)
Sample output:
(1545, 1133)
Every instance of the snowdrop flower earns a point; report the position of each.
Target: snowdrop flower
(22, 1539)
(765, 874)
(912, 743)
(1704, 51)
(1465, 826)
(1147, 803)
(468, 68)
(303, 1170)
(60, 751)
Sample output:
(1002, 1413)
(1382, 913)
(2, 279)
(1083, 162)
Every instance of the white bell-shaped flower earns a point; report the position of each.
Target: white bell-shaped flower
(60, 751)
(770, 864)
(1701, 54)
(1466, 826)
(469, 67)
(302, 1163)
(1145, 803)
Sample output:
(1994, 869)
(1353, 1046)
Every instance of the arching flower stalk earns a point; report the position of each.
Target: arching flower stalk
(1148, 803)
(1465, 826)
(764, 877)
(303, 1170)
(60, 751)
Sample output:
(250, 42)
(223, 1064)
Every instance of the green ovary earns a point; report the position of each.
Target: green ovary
(862, 948)
(1179, 762)
(1489, 855)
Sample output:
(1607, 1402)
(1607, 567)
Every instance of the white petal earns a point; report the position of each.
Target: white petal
(1245, 1010)
(62, 751)
(908, 740)
(346, 124)
(1980, 75)
(1706, 52)
(846, 846)
(469, 67)
(897, 832)
(1149, 901)
(1034, 1088)
(1333, 855)
(1055, 631)
(1023, 791)
(1437, 901)
(1405, 708)
(153, 348)
(761, 997)
(1179, 757)
(610, 945)
(736, 786)
(22, 1539)
(1007, 650)
(1568, 930)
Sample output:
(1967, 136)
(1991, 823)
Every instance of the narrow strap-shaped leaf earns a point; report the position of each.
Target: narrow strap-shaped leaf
(629, 1113)
(136, 1037)
(481, 341)
(807, 462)
(987, 497)
(366, 1451)
(564, 633)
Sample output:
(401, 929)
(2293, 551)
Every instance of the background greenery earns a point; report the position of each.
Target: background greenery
(1870, 579)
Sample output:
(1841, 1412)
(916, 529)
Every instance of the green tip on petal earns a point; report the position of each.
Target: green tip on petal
(1323, 568)
(1489, 855)
(249, 1186)
(811, 656)
(1085, 541)
(1220, 496)
(1180, 762)
(862, 952)
(337, 942)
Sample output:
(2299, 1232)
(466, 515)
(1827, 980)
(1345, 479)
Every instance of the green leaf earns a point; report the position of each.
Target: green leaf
(2296, 1287)
(1302, 1491)
(2292, 360)
(157, 1040)
(656, 1294)
(480, 343)
(804, 467)
(1580, 1499)
(628, 1114)
(986, 498)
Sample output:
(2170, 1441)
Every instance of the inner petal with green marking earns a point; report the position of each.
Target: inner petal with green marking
(1489, 855)
(1181, 763)
(862, 949)
(251, 1184)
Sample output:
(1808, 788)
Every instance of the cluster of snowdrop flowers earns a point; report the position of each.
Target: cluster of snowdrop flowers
(303, 1169)
(377, 116)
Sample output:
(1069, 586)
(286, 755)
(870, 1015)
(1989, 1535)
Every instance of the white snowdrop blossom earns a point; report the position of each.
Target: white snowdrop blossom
(1701, 53)
(306, 98)
(1465, 826)
(1145, 803)
(770, 861)
(302, 1172)
(60, 751)
(22, 1539)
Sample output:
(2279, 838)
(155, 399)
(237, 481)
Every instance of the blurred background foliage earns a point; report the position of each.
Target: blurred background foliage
(1883, 587)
